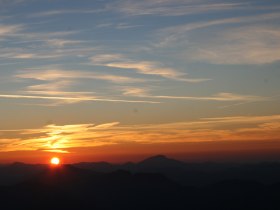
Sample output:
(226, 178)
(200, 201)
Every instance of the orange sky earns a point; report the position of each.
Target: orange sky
(206, 139)
(126, 79)
(192, 152)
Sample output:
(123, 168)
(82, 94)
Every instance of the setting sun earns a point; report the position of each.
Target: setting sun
(55, 161)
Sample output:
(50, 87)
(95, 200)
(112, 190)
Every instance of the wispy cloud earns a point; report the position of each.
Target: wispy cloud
(134, 91)
(223, 97)
(204, 24)
(102, 59)
(9, 29)
(63, 137)
(142, 67)
(72, 99)
(240, 44)
(51, 86)
(56, 85)
(216, 97)
(45, 45)
(57, 88)
(56, 74)
(64, 12)
(44, 53)
(119, 26)
(54, 138)
(171, 8)
(244, 45)
(244, 119)
(23, 33)
(63, 42)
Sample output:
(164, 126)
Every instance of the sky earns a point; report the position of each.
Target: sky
(120, 80)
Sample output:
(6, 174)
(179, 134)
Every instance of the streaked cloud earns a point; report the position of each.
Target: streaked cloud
(173, 30)
(62, 42)
(223, 97)
(56, 74)
(9, 29)
(62, 137)
(72, 99)
(245, 45)
(102, 59)
(135, 91)
(171, 8)
(55, 85)
(238, 44)
(54, 138)
(244, 119)
(51, 86)
(142, 67)
(51, 13)
(44, 53)
(216, 97)
(44, 35)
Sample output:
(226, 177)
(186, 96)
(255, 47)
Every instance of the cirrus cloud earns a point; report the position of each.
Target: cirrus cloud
(64, 137)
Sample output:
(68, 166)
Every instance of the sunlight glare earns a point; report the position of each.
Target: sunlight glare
(55, 161)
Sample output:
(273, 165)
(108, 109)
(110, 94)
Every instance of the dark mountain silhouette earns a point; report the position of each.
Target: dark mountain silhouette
(82, 186)
(189, 174)
(68, 187)
(195, 174)
(99, 166)
(18, 172)
(160, 161)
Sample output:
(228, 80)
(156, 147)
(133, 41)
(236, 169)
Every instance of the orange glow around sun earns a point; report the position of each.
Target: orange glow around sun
(55, 161)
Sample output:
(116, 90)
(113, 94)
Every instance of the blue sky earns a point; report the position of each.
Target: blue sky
(137, 63)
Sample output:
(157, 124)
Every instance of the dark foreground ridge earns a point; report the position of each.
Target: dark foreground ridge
(155, 183)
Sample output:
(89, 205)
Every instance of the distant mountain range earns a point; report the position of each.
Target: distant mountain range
(194, 174)
(188, 174)
(154, 183)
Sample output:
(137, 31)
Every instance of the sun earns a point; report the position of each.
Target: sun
(55, 161)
